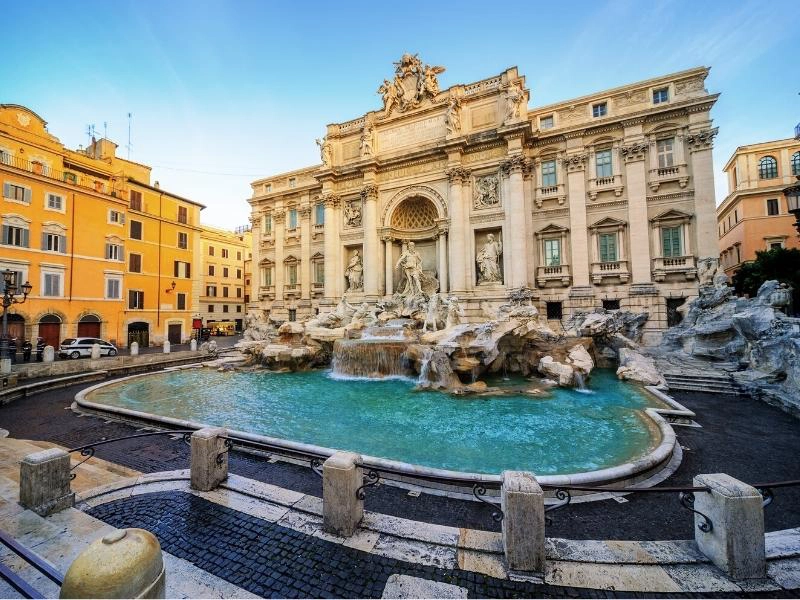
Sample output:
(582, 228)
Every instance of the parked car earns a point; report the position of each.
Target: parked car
(78, 347)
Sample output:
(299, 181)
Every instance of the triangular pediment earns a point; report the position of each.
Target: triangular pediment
(552, 228)
(266, 262)
(672, 214)
(318, 256)
(607, 222)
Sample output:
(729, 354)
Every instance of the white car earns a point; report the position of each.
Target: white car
(82, 346)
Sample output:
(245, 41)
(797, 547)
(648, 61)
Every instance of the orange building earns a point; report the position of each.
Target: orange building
(66, 217)
(754, 215)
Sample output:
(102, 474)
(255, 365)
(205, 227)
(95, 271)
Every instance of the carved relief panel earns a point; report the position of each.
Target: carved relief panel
(486, 192)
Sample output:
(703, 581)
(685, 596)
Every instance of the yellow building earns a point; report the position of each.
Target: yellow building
(66, 220)
(754, 216)
(224, 294)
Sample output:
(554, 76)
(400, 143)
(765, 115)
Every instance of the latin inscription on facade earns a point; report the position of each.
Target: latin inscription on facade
(412, 133)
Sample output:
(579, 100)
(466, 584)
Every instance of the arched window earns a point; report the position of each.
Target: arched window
(767, 168)
(796, 163)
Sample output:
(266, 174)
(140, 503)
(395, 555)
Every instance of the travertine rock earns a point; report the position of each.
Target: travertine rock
(634, 366)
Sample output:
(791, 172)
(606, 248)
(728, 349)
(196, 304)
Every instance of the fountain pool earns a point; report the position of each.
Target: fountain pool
(564, 432)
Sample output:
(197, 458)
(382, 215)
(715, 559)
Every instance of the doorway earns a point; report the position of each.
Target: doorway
(139, 332)
(89, 326)
(174, 333)
(50, 330)
(673, 316)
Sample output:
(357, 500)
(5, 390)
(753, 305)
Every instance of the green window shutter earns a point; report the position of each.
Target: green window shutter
(27, 196)
(665, 243)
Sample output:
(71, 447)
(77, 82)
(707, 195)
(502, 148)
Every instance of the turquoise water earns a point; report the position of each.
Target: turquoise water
(565, 432)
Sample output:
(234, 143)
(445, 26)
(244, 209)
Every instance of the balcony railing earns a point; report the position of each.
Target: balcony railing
(550, 191)
(662, 175)
(671, 265)
(602, 184)
(553, 273)
(612, 269)
(110, 186)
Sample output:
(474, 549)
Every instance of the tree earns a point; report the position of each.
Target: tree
(778, 263)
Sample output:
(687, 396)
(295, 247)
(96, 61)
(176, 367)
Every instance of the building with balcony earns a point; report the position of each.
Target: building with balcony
(100, 245)
(604, 200)
(224, 294)
(754, 215)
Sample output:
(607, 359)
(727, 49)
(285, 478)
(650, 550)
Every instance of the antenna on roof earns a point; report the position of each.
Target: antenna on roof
(105, 129)
(89, 134)
(130, 116)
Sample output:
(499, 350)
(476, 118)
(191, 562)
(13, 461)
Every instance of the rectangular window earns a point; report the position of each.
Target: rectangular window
(238, 255)
(292, 275)
(114, 216)
(267, 224)
(552, 253)
(135, 299)
(238, 273)
(53, 242)
(211, 270)
(319, 214)
(293, 218)
(266, 276)
(238, 292)
(660, 95)
(293, 314)
(181, 301)
(11, 191)
(51, 284)
(611, 304)
(554, 310)
(183, 240)
(181, 269)
(292, 182)
(319, 272)
(135, 263)
(600, 109)
(549, 178)
(136, 200)
(211, 290)
(210, 308)
(16, 236)
(224, 253)
(267, 188)
(608, 247)
(114, 252)
(225, 271)
(225, 291)
(136, 230)
(772, 206)
(211, 250)
(671, 241)
(55, 202)
(113, 288)
(183, 215)
(238, 308)
(603, 163)
(665, 152)
(224, 308)
(546, 122)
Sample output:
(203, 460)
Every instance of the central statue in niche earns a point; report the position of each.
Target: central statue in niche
(416, 284)
(488, 260)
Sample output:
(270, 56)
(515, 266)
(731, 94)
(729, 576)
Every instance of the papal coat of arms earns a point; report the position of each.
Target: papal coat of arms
(413, 83)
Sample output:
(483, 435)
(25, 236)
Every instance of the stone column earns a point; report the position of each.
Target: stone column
(278, 219)
(44, 483)
(636, 180)
(522, 501)
(467, 252)
(516, 242)
(331, 246)
(209, 465)
(305, 252)
(341, 509)
(736, 540)
(457, 233)
(389, 267)
(700, 145)
(441, 242)
(372, 250)
(579, 243)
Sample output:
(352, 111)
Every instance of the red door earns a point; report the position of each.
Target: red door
(91, 330)
(51, 333)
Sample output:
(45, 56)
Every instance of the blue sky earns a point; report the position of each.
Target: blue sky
(225, 92)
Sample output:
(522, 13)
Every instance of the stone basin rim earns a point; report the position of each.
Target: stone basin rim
(642, 468)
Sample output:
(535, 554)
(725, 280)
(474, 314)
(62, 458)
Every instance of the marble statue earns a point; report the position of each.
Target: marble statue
(433, 315)
(454, 312)
(367, 140)
(352, 213)
(413, 83)
(355, 273)
(488, 260)
(390, 96)
(411, 264)
(325, 151)
(365, 315)
(514, 99)
(452, 117)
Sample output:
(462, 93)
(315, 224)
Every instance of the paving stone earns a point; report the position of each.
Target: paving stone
(700, 578)
(785, 572)
(636, 578)
(404, 586)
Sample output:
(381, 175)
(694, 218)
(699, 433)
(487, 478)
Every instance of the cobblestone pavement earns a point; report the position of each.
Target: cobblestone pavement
(276, 562)
(740, 436)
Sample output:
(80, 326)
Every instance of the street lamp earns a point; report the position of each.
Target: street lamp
(792, 194)
(10, 297)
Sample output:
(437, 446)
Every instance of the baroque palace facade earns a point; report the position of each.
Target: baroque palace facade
(604, 200)
(109, 255)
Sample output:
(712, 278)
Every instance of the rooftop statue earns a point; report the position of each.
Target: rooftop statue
(413, 83)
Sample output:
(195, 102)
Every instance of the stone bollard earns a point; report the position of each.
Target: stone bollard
(5, 366)
(193, 345)
(736, 540)
(49, 354)
(522, 501)
(95, 351)
(126, 563)
(44, 483)
(341, 509)
(209, 466)
(166, 346)
(134, 348)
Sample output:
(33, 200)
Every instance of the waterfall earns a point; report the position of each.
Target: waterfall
(370, 358)
(425, 368)
(580, 384)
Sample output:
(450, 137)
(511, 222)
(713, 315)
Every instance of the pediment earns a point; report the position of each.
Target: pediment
(608, 222)
(672, 214)
(552, 229)
(318, 256)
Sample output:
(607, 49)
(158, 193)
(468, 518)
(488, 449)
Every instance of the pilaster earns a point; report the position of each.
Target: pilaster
(634, 154)
(372, 249)
(331, 246)
(278, 225)
(305, 249)
(517, 222)
(456, 176)
(575, 166)
(700, 144)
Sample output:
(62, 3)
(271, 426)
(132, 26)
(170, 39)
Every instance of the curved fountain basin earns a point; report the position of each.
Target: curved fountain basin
(571, 437)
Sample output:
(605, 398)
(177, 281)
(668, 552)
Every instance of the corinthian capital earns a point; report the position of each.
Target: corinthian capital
(575, 162)
(457, 174)
(278, 216)
(369, 192)
(701, 140)
(515, 164)
(330, 200)
(634, 151)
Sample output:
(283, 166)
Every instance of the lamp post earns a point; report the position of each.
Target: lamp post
(10, 297)
(792, 194)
